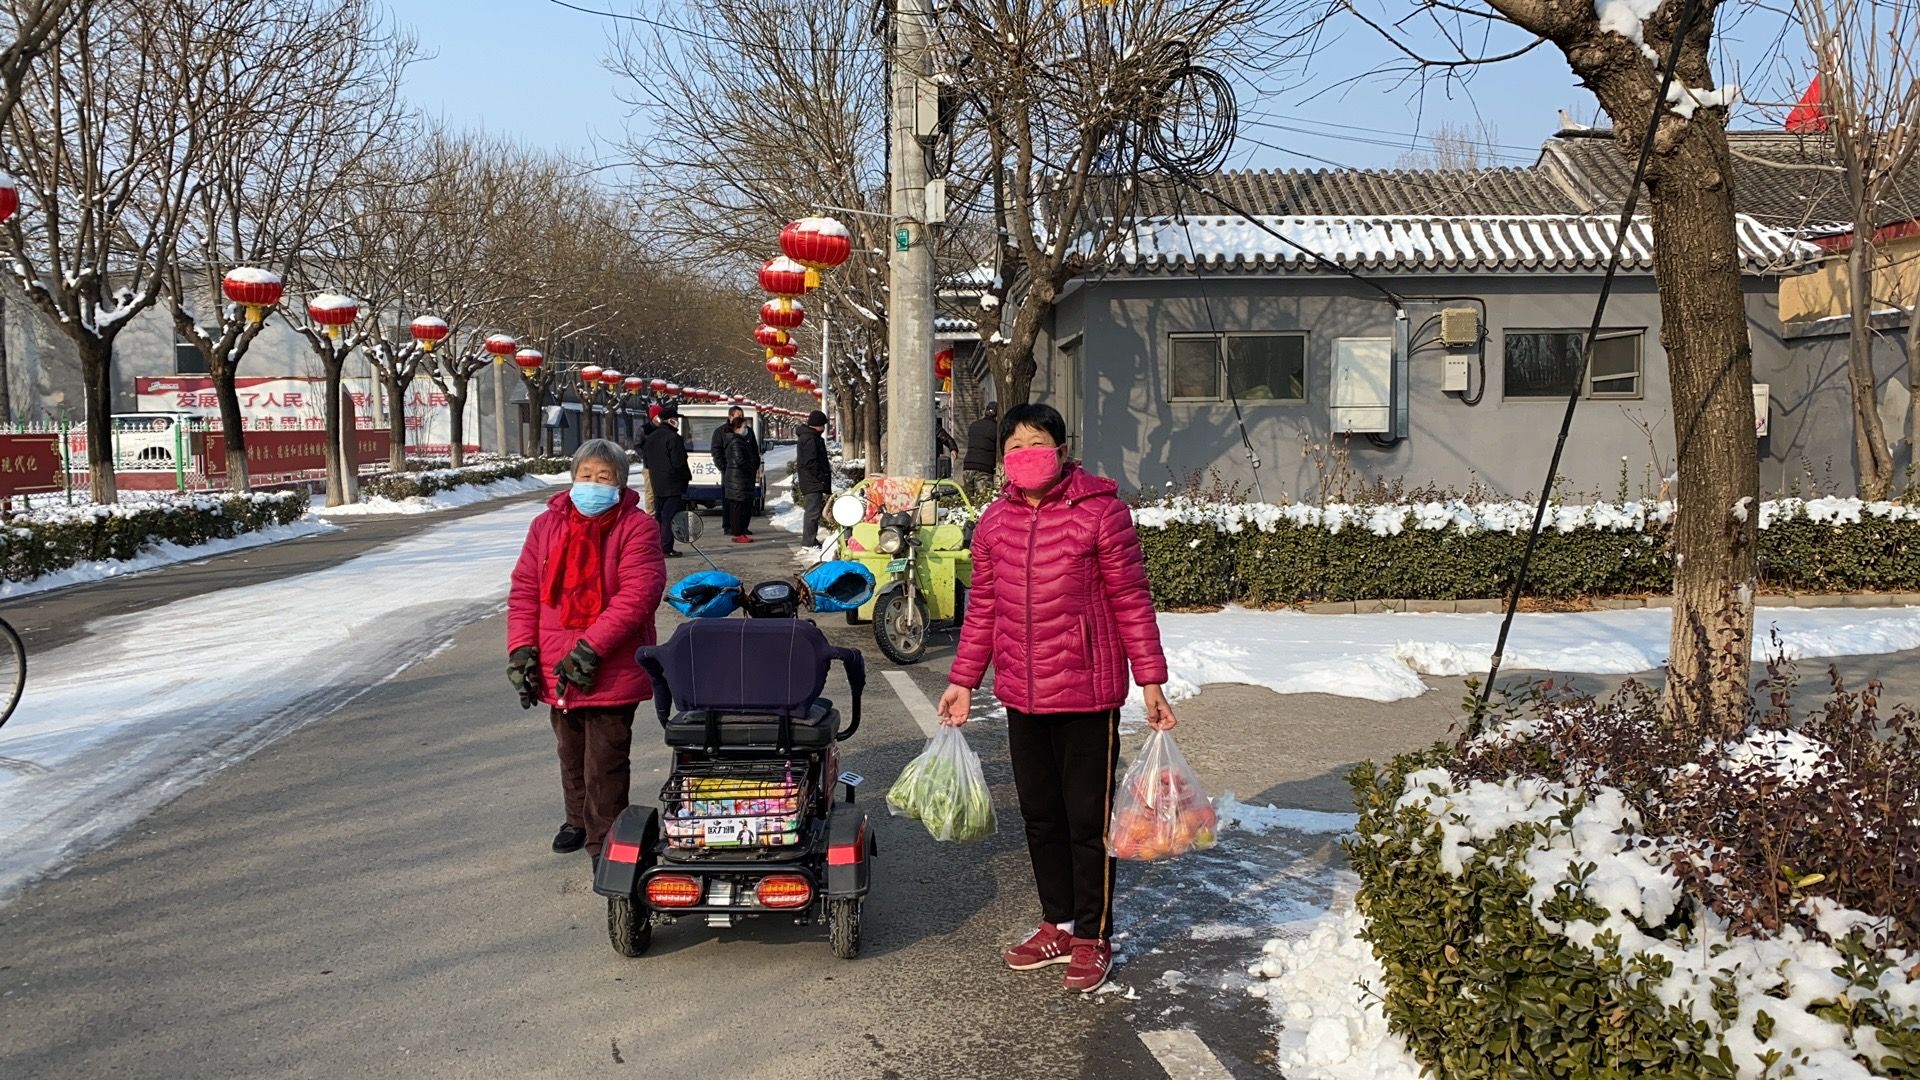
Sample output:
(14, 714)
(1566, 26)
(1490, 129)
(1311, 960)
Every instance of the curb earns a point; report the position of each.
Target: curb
(1499, 607)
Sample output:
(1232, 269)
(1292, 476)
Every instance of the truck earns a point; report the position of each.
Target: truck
(698, 423)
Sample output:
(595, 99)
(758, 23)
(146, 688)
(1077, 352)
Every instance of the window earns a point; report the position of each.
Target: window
(1258, 367)
(188, 360)
(1545, 363)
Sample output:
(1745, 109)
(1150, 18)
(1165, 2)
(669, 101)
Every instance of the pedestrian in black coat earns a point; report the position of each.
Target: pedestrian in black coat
(812, 475)
(664, 455)
(739, 477)
(983, 453)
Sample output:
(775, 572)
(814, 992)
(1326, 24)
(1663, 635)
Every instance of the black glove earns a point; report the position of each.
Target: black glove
(523, 671)
(580, 667)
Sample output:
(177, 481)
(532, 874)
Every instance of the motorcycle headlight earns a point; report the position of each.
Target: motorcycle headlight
(891, 540)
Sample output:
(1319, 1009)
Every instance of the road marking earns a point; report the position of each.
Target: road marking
(1181, 1053)
(916, 702)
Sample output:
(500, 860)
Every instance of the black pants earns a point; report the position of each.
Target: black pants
(736, 515)
(596, 746)
(665, 509)
(813, 503)
(1063, 769)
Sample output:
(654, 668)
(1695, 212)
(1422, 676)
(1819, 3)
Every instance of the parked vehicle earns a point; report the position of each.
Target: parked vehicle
(755, 819)
(698, 423)
(923, 567)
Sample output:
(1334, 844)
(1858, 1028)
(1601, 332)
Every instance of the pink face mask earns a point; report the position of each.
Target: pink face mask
(1034, 468)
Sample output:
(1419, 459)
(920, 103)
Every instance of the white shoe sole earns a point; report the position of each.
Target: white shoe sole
(1042, 964)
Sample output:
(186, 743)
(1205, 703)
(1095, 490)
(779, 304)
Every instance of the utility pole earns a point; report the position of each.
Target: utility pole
(909, 446)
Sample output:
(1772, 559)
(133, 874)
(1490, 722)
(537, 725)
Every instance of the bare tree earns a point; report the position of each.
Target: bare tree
(1620, 58)
(32, 27)
(106, 140)
(1868, 66)
(1454, 148)
(312, 91)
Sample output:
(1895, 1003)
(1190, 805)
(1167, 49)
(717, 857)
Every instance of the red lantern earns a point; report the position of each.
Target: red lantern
(769, 335)
(819, 395)
(333, 311)
(673, 389)
(10, 199)
(783, 318)
(784, 352)
(816, 243)
(659, 386)
(611, 378)
(590, 376)
(633, 383)
(739, 399)
(805, 382)
(257, 289)
(529, 361)
(501, 346)
(430, 330)
(784, 278)
(943, 364)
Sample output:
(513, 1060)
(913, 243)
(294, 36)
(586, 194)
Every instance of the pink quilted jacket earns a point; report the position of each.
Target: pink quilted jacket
(636, 575)
(1060, 605)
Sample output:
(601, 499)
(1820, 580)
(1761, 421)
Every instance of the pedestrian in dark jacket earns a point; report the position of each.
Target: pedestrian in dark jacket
(813, 475)
(983, 454)
(739, 478)
(1061, 610)
(665, 456)
(581, 603)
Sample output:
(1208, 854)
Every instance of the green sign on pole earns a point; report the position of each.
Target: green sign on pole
(903, 239)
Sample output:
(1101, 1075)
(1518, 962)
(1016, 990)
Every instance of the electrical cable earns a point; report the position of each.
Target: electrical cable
(746, 46)
(1687, 15)
(1226, 371)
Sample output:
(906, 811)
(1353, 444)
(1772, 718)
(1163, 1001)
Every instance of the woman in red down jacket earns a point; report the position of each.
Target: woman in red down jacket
(1060, 608)
(581, 604)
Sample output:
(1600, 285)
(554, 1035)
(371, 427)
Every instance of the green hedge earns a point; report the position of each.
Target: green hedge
(1479, 986)
(1202, 565)
(47, 541)
(410, 485)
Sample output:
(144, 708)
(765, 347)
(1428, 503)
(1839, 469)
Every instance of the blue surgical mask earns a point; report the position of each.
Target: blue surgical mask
(594, 499)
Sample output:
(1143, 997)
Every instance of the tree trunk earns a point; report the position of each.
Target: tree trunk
(1710, 369)
(456, 421)
(870, 428)
(6, 371)
(396, 424)
(231, 434)
(335, 363)
(1913, 377)
(96, 369)
(1874, 459)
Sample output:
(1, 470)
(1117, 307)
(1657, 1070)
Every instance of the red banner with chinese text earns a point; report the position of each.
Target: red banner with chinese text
(275, 452)
(30, 465)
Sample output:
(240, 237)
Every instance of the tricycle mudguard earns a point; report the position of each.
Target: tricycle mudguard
(636, 825)
(849, 839)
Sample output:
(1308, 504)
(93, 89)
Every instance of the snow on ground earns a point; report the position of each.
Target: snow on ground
(1324, 987)
(197, 685)
(464, 495)
(161, 554)
(1382, 657)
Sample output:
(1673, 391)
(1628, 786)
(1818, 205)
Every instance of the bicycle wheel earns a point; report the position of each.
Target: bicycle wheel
(13, 668)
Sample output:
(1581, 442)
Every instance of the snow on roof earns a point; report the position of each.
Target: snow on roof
(253, 275)
(1567, 243)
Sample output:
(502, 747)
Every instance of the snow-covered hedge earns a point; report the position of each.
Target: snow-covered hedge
(1205, 554)
(1576, 895)
(54, 538)
(407, 485)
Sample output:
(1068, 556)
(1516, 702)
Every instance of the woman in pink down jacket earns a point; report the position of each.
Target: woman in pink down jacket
(582, 602)
(1060, 608)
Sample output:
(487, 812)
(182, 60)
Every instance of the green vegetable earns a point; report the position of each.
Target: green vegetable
(945, 789)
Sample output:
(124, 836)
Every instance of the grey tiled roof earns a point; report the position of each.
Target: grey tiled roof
(1339, 193)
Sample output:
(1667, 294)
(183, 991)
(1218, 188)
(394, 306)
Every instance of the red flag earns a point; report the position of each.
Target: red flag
(1809, 116)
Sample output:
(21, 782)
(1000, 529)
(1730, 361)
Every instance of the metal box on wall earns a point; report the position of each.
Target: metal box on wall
(1362, 386)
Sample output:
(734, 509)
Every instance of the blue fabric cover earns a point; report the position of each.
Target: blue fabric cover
(840, 585)
(708, 594)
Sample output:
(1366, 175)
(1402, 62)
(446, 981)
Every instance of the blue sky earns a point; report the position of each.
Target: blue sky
(531, 69)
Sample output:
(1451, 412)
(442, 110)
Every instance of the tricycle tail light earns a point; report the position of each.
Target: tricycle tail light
(784, 891)
(673, 890)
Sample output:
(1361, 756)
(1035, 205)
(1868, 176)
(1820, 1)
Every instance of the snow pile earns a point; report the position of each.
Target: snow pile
(1324, 986)
(1588, 845)
(1787, 755)
(449, 499)
(134, 504)
(1382, 657)
(1260, 820)
(1467, 518)
(159, 555)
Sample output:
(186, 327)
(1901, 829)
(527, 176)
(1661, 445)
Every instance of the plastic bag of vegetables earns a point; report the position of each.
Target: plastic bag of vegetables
(1160, 810)
(945, 790)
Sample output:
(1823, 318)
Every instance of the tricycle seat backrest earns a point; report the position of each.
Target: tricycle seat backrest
(766, 667)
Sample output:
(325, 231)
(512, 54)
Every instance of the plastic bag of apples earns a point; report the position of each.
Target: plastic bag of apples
(1160, 810)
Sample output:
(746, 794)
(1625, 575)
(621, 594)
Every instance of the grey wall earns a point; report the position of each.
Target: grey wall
(1809, 447)
(1132, 433)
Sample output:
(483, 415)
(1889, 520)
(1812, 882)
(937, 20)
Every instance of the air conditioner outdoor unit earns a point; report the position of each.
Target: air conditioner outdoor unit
(1459, 327)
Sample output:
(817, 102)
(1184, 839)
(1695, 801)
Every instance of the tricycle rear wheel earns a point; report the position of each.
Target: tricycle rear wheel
(629, 926)
(900, 628)
(843, 927)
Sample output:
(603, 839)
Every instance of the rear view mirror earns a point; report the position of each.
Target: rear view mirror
(849, 510)
(688, 526)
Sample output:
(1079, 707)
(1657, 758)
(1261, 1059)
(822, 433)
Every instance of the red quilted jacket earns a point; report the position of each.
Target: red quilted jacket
(635, 573)
(1060, 605)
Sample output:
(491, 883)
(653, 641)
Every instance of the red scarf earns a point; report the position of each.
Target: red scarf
(575, 582)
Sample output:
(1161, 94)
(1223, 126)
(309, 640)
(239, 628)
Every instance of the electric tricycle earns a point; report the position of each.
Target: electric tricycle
(756, 819)
(922, 566)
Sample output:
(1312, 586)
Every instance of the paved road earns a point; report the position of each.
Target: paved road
(373, 896)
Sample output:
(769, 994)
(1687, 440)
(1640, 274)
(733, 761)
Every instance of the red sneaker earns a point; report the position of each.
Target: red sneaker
(1048, 945)
(1087, 970)
(743, 539)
